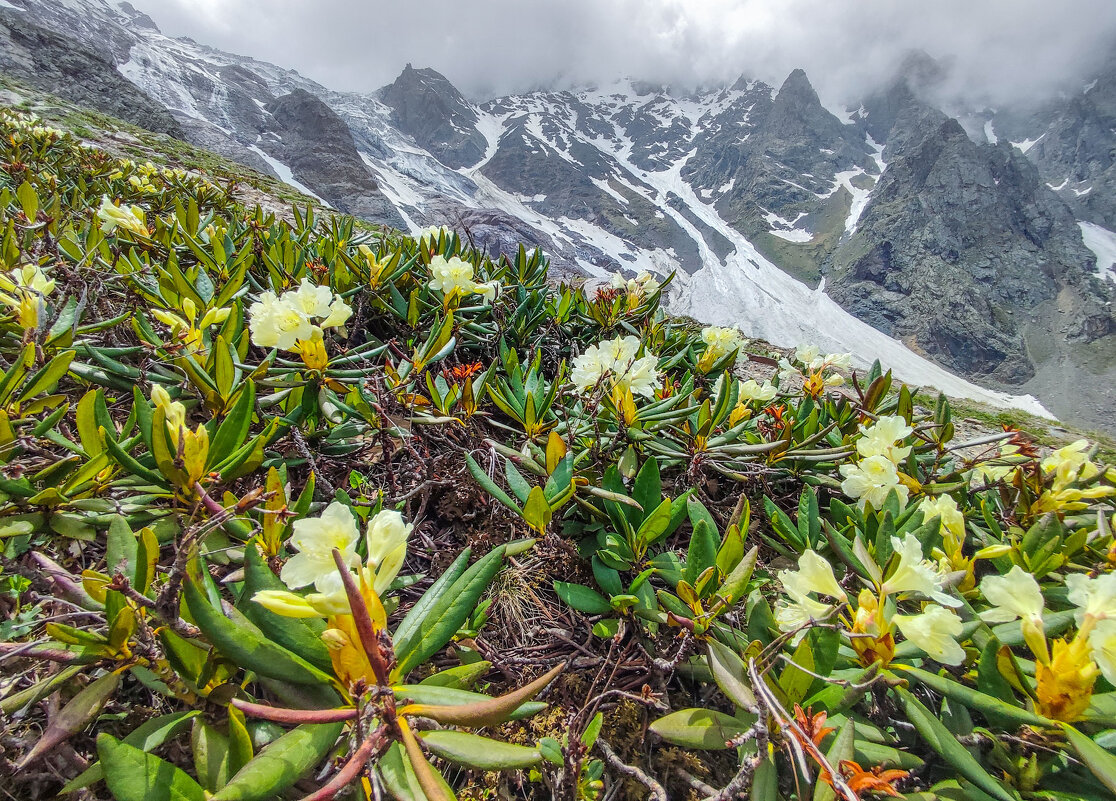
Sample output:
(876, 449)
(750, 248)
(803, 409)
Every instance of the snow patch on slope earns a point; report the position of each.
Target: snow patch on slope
(285, 174)
(749, 292)
(1103, 244)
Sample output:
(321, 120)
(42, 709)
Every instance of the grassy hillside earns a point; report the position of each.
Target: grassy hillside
(291, 508)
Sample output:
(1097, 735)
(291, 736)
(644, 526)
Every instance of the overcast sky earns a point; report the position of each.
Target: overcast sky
(999, 49)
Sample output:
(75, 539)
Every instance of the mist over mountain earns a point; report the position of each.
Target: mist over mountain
(970, 246)
(997, 51)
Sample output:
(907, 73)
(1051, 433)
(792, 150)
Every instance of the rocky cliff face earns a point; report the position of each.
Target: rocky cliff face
(317, 145)
(55, 64)
(958, 241)
(430, 109)
(977, 249)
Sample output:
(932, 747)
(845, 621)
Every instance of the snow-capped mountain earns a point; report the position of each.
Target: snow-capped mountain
(887, 231)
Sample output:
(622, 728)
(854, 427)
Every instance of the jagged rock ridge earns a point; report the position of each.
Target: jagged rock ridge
(893, 203)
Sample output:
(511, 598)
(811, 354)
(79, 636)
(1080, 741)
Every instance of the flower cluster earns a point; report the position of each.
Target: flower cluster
(314, 565)
(23, 291)
(131, 219)
(638, 288)
(747, 393)
(296, 317)
(876, 474)
(1066, 671)
(432, 234)
(614, 364)
(817, 370)
(871, 622)
(719, 343)
(454, 278)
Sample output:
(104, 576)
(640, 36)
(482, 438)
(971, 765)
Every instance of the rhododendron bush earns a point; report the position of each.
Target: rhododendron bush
(301, 509)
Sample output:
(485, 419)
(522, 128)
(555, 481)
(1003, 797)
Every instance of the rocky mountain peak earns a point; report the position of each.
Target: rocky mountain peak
(429, 108)
(798, 90)
(319, 149)
(134, 17)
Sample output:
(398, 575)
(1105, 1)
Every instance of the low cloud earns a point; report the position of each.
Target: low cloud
(998, 51)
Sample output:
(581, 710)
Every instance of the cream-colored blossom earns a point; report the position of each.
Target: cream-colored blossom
(453, 275)
(129, 218)
(916, 574)
(871, 480)
(881, 438)
(1013, 595)
(1102, 647)
(173, 411)
(310, 299)
(433, 233)
(275, 323)
(315, 538)
(814, 574)
(752, 392)
(719, 342)
(613, 362)
(1095, 598)
(944, 508)
(935, 631)
(387, 547)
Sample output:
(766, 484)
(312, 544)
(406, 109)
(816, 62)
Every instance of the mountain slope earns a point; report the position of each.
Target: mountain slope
(750, 193)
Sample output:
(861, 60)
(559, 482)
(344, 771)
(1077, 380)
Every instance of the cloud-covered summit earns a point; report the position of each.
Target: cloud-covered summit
(999, 51)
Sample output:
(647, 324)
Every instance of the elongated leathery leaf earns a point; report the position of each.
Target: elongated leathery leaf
(479, 752)
(939, 738)
(446, 615)
(281, 763)
(133, 775)
(247, 646)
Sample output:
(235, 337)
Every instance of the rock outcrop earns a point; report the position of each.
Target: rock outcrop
(53, 63)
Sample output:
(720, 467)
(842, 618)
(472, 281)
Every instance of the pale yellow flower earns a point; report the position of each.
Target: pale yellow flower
(814, 574)
(935, 631)
(944, 508)
(315, 538)
(173, 411)
(881, 437)
(752, 392)
(916, 574)
(112, 217)
(871, 480)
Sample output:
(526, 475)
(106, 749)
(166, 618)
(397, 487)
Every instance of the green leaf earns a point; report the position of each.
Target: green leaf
(132, 775)
(146, 736)
(281, 763)
(478, 752)
(729, 672)
(938, 737)
(75, 716)
(29, 201)
(414, 618)
(489, 486)
(648, 487)
(459, 678)
(699, 728)
(975, 699)
(298, 635)
(446, 615)
(656, 523)
(702, 552)
(582, 598)
(210, 749)
(246, 646)
(234, 428)
(1100, 761)
(397, 774)
(435, 695)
